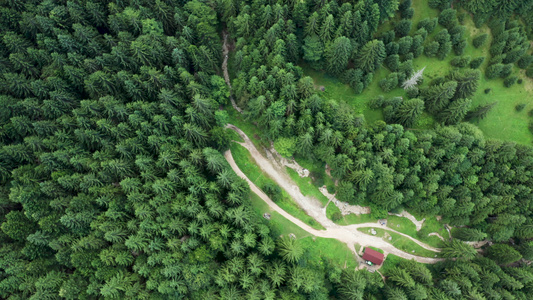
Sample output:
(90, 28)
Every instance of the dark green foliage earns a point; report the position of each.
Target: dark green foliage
(371, 56)
(409, 112)
(529, 72)
(494, 71)
(506, 70)
(437, 97)
(520, 107)
(389, 83)
(113, 186)
(480, 112)
(339, 53)
(459, 250)
(431, 49)
(461, 62)
(476, 62)
(273, 191)
(403, 27)
(480, 40)
(467, 82)
(509, 81)
(448, 18)
(469, 234)
(455, 111)
(413, 92)
(503, 254)
(525, 61)
(428, 24)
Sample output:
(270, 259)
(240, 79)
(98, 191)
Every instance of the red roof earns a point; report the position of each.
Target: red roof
(373, 256)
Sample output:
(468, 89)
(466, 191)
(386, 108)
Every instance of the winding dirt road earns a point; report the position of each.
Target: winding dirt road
(346, 234)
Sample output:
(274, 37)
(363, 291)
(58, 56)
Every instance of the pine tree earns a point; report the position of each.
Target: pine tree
(438, 96)
(371, 56)
(467, 82)
(480, 112)
(469, 234)
(338, 55)
(503, 254)
(409, 112)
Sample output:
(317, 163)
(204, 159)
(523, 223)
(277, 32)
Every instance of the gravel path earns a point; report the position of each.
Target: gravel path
(346, 234)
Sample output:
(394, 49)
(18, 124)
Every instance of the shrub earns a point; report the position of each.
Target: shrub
(529, 72)
(413, 92)
(476, 62)
(480, 40)
(440, 4)
(494, 71)
(337, 216)
(460, 62)
(392, 62)
(404, 45)
(377, 102)
(519, 81)
(272, 190)
(389, 83)
(403, 27)
(510, 81)
(428, 24)
(448, 17)
(444, 49)
(506, 71)
(285, 146)
(520, 107)
(486, 91)
(408, 13)
(391, 48)
(525, 61)
(388, 37)
(459, 47)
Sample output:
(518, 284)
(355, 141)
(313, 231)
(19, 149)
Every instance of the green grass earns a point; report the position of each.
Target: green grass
(253, 172)
(400, 242)
(331, 249)
(278, 223)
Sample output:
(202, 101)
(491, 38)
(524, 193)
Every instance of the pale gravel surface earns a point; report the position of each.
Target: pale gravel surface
(346, 234)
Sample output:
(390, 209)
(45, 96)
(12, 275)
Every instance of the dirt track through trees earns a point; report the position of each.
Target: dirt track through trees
(346, 234)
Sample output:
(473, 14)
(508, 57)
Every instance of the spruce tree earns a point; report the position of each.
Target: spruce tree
(338, 55)
(455, 112)
(371, 56)
(437, 97)
(409, 112)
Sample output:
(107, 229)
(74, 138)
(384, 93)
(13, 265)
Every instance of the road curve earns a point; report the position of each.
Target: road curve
(346, 234)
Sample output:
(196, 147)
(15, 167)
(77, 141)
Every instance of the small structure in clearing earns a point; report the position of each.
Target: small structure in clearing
(266, 216)
(373, 257)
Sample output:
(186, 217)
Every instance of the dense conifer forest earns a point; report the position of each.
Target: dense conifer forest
(113, 183)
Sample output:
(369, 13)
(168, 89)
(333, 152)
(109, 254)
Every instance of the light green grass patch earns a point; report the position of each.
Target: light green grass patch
(245, 162)
(331, 249)
(278, 223)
